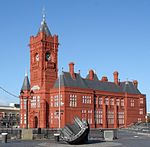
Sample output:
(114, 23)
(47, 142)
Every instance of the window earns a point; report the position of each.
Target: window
(83, 99)
(73, 101)
(89, 99)
(24, 118)
(36, 57)
(86, 99)
(141, 100)
(132, 102)
(56, 101)
(122, 102)
(90, 111)
(117, 102)
(83, 114)
(90, 116)
(99, 119)
(121, 117)
(110, 117)
(141, 111)
(33, 102)
(100, 101)
(24, 104)
(51, 101)
(111, 101)
(106, 101)
(38, 101)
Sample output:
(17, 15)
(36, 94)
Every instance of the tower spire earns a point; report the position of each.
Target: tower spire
(26, 83)
(44, 28)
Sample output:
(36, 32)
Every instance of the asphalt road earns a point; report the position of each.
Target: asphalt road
(125, 139)
(132, 139)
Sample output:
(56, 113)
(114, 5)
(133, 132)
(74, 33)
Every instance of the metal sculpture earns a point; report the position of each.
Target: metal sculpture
(76, 133)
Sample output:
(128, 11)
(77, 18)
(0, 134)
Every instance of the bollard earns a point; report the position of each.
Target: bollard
(39, 130)
(56, 136)
(4, 137)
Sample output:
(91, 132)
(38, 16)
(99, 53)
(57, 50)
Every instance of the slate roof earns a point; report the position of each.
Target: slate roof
(26, 83)
(67, 81)
(44, 28)
(129, 88)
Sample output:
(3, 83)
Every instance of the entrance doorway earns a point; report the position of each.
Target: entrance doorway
(35, 122)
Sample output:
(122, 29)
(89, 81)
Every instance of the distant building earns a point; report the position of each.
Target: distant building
(148, 117)
(104, 104)
(10, 115)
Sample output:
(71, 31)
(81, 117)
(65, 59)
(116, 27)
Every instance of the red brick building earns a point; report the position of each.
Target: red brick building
(101, 102)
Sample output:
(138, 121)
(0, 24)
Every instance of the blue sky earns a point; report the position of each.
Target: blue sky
(105, 35)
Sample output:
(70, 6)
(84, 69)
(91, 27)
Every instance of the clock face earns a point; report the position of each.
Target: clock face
(37, 57)
(48, 56)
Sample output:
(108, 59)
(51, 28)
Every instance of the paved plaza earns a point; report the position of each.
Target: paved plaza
(125, 139)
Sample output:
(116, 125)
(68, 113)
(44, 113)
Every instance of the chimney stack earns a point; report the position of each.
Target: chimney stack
(116, 81)
(91, 74)
(135, 83)
(71, 70)
(104, 79)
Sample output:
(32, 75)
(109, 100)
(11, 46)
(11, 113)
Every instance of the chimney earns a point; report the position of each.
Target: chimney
(91, 74)
(116, 81)
(104, 79)
(71, 70)
(135, 83)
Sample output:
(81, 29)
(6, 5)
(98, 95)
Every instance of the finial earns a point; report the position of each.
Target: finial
(43, 14)
(127, 82)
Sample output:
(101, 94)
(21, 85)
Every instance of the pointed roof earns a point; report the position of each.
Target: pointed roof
(129, 87)
(44, 28)
(26, 83)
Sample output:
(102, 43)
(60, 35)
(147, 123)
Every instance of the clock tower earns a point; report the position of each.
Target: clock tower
(43, 74)
(43, 58)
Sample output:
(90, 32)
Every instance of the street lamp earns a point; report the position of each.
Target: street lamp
(59, 101)
(26, 95)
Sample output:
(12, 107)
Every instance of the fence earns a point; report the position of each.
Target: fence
(15, 133)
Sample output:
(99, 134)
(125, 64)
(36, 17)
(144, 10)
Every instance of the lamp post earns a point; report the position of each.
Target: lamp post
(26, 95)
(59, 101)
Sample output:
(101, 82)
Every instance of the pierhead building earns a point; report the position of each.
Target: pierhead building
(51, 101)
